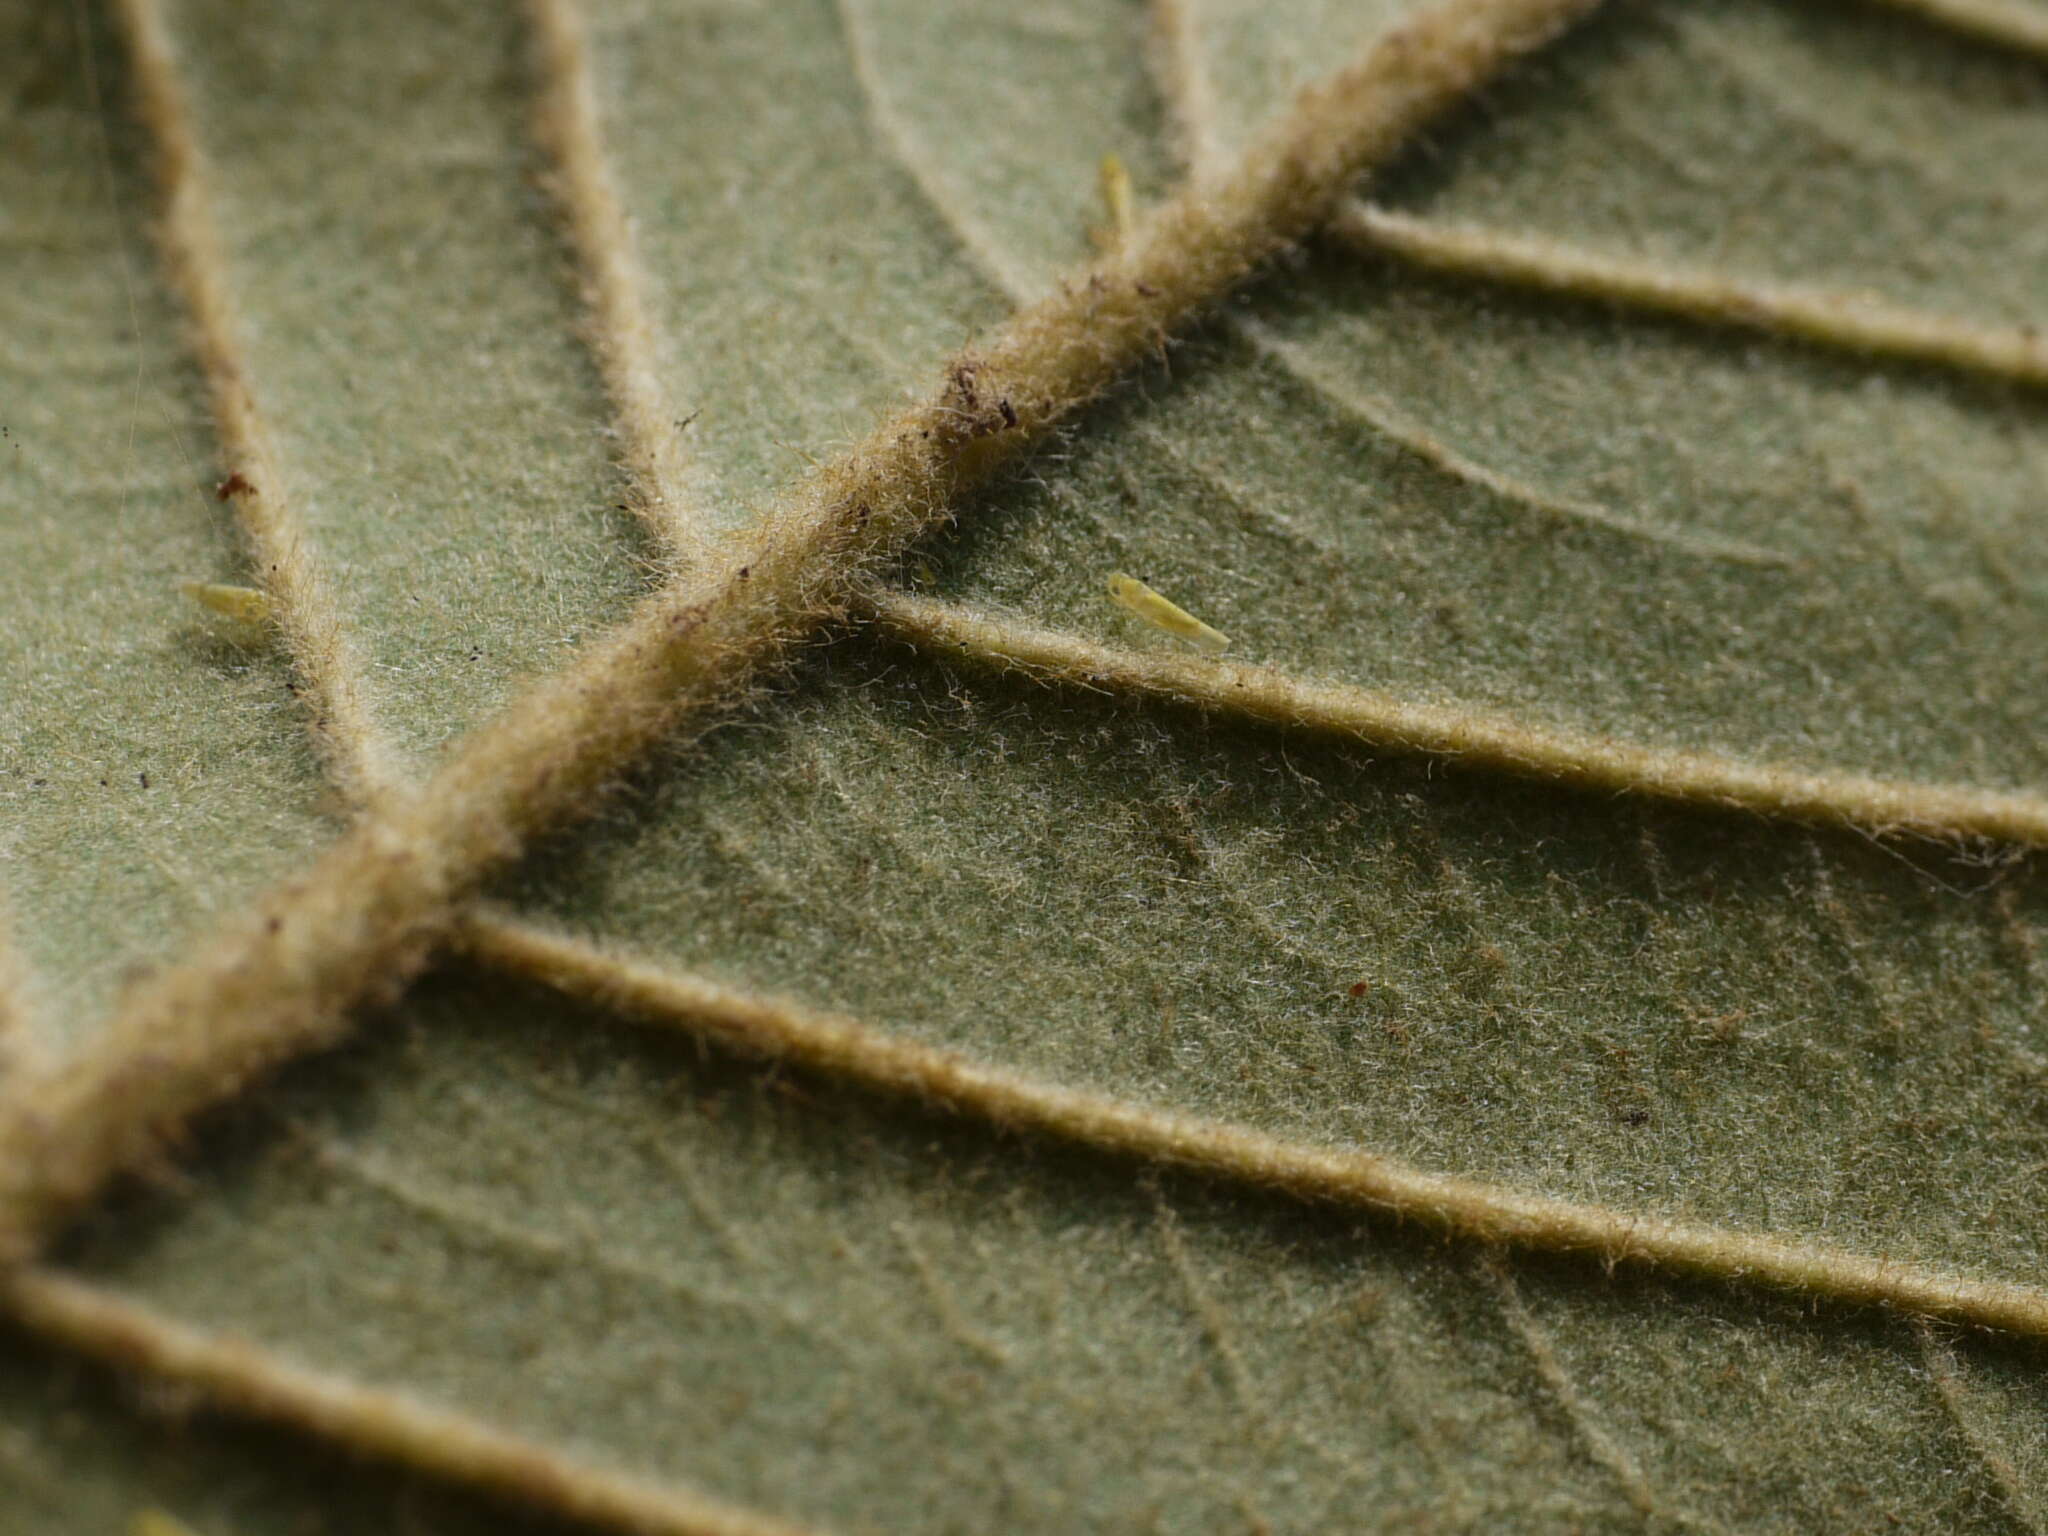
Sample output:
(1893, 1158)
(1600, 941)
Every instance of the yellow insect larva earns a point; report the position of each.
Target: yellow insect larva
(244, 603)
(1116, 198)
(1164, 613)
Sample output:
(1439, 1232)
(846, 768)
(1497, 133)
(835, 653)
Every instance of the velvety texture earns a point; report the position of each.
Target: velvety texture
(839, 1310)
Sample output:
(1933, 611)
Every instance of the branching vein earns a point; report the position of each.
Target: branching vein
(1180, 68)
(279, 979)
(365, 917)
(360, 758)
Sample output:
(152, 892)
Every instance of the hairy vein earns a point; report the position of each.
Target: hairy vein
(854, 1052)
(360, 758)
(1182, 78)
(1473, 738)
(620, 334)
(953, 1322)
(302, 605)
(1855, 322)
(251, 1381)
(279, 979)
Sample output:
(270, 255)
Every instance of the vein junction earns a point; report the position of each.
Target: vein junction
(397, 885)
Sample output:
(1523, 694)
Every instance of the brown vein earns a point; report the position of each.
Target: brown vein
(253, 1382)
(1854, 322)
(941, 1080)
(302, 605)
(1947, 1379)
(277, 980)
(618, 330)
(1472, 738)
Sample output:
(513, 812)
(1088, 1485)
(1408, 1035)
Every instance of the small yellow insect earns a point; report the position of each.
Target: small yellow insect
(1116, 199)
(244, 603)
(154, 1522)
(1164, 614)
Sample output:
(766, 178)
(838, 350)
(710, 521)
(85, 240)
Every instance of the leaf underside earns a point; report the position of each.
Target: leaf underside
(841, 1311)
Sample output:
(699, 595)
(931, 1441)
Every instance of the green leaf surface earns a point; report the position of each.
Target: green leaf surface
(837, 1310)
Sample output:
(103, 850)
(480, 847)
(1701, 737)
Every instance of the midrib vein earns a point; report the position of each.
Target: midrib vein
(277, 981)
(1860, 323)
(1509, 743)
(1491, 740)
(622, 340)
(95, 1320)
